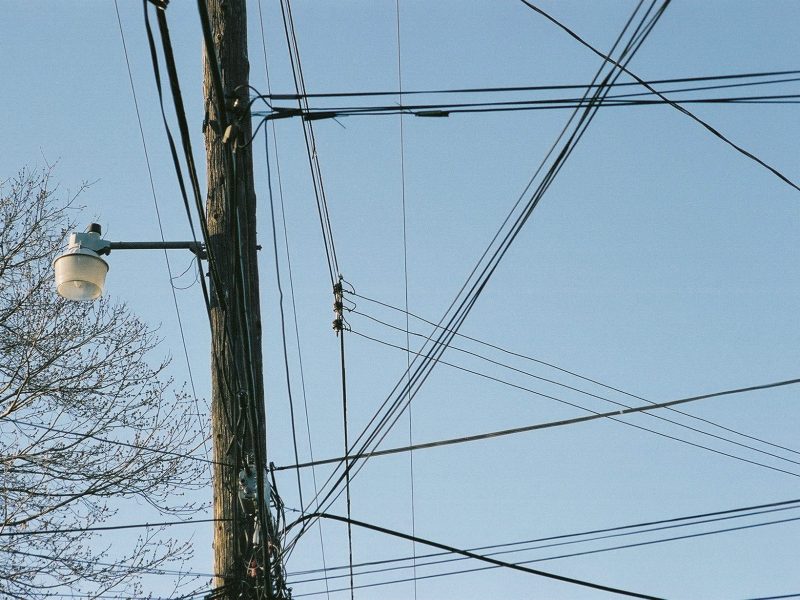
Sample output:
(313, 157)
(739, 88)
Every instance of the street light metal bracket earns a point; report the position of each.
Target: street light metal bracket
(81, 272)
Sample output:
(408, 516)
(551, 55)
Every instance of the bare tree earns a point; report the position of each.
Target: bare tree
(88, 425)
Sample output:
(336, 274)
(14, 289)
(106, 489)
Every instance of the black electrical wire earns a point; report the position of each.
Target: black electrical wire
(468, 554)
(516, 430)
(566, 371)
(29, 532)
(692, 116)
(584, 553)
(346, 449)
(527, 88)
(568, 387)
(160, 225)
(170, 139)
(84, 435)
(727, 513)
(583, 541)
(441, 110)
(291, 281)
(470, 297)
(282, 314)
(778, 99)
(444, 110)
(183, 126)
(311, 146)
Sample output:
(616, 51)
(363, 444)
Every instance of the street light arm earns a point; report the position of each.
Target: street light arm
(196, 248)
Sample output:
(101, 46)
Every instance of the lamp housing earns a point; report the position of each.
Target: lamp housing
(80, 271)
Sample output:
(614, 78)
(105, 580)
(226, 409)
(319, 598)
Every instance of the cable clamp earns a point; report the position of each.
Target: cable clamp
(338, 305)
(231, 132)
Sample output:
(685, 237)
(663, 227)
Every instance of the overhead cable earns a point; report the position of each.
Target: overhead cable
(672, 103)
(590, 395)
(687, 519)
(468, 554)
(583, 553)
(28, 532)
(530, 88)
(391, 409)
(573, 421)
(562, 370)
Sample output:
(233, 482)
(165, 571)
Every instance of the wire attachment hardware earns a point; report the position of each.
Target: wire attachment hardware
(338, 306)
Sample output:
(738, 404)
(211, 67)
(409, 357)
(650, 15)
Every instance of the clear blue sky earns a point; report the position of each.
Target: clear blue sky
(661, 262)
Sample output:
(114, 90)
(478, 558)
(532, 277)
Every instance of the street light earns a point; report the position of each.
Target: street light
(81, 272)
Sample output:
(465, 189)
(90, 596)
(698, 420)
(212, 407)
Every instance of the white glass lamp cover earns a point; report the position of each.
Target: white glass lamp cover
(80, 274)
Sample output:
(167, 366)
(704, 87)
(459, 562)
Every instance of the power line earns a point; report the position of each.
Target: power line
(281, 311)
(582, 541)
(584, 392)
(672, 103)
(551, 424)
(529, 88)
(485, 267)
(445, 110)
(84, 435)
(291, 287)
(311, 144)
(291, 282)
(571, 555)
(560, 369)
(727, 513)
(160, 226)
(468, 554)
(107, 527)
(628, 99)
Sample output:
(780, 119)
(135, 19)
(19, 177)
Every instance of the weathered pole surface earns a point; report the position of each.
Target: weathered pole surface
(237, 410)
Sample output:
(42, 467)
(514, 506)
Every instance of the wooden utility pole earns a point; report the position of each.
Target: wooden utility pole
(243, 534)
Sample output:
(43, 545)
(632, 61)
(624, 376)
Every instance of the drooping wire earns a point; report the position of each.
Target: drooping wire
(581, 553)
(570, 539)
(447, 110)
(161, 232)
(466, 553)
(642, 98)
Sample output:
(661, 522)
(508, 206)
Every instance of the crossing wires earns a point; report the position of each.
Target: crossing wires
(404, 391)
